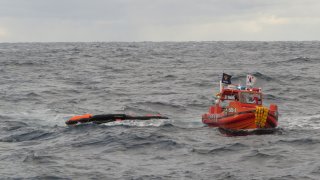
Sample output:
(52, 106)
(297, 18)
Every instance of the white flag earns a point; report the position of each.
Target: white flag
(251, 80)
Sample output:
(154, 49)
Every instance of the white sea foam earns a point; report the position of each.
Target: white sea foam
(306, 122)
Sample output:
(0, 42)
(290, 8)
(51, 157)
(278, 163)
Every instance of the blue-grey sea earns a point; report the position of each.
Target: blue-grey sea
(44, 84)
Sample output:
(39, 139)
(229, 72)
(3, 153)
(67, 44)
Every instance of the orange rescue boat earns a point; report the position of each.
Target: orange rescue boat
(240, 108)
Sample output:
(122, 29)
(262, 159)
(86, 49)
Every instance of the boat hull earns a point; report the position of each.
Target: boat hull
(241, 120)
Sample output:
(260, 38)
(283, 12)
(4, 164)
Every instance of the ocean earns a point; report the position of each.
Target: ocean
(44, 84)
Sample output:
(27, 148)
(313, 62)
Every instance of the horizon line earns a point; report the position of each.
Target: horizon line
(156, 41)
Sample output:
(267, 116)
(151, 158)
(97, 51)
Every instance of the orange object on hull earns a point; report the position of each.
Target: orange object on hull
(79, 117)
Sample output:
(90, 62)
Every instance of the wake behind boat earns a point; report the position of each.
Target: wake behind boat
(240, 108)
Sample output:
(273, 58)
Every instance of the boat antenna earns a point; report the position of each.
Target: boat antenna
(220, 82)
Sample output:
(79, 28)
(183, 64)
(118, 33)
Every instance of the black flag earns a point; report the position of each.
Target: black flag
(226, 78)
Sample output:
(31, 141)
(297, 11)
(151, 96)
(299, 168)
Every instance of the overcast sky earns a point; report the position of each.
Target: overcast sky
(158, 20)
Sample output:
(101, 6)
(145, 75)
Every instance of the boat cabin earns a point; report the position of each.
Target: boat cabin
(234, 99)
(249, 96)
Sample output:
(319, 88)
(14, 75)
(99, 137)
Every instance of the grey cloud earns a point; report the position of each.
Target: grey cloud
(70, 9)
(157, 20)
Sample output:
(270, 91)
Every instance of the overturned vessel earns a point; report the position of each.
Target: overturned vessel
(107, 118)
(240, 108)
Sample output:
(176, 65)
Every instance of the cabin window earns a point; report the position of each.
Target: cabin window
(250, 98)
(230, 97)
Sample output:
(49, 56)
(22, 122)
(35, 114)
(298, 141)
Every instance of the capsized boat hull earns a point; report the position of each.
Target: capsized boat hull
(107, 118)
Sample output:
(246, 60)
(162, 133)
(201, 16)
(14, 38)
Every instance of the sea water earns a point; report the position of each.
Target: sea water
(44, 84)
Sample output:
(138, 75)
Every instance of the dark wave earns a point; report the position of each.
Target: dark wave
(243, 132)
(224, 150)
(170, 77)
(34, 157)
(26, 135)
(300, 141)
(316, 170)
(52, 177)
(256, 156)
(159, 144)
(262, 76)
(127, 140)
(302, 60)
(11, 125)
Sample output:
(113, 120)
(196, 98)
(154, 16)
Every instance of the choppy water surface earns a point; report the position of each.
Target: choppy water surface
(43, 84)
